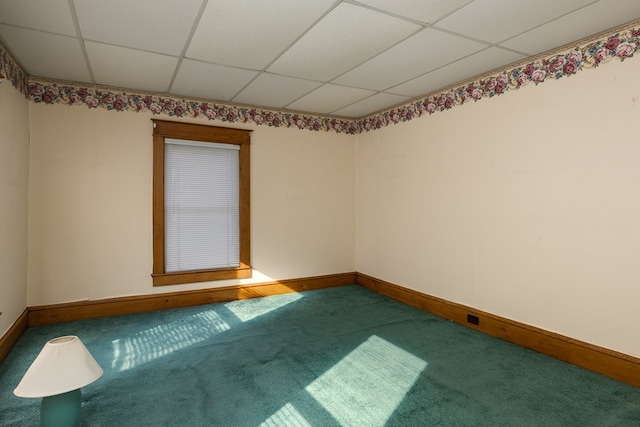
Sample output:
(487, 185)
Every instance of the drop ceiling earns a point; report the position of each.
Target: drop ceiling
(327, 57)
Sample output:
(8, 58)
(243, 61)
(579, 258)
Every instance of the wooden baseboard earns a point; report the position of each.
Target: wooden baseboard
(613, 364)
(8, 340)
(47, 314)
(607, 362)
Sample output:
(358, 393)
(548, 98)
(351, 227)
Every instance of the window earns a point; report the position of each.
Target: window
(200, 203)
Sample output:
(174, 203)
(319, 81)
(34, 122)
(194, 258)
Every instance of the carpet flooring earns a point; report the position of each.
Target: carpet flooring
(334, 357)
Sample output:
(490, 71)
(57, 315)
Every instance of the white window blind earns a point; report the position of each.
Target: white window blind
(202, 214)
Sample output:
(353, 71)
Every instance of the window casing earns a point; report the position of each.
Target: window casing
(192, 136)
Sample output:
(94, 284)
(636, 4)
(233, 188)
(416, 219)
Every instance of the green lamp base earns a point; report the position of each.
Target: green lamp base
(61, 410)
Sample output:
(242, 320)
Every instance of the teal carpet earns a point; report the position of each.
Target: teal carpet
(334, 357)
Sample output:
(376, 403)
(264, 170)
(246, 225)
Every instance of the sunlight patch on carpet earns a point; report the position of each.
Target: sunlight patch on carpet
(153, 343)
(249, 309)
(287, 416)
(367, 385)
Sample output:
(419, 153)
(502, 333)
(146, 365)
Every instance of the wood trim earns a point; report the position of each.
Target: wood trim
(245, 206)
(198, 132)
(9, 339)
(607, 362)
(158, 204)
(169, 129)
(162, 279)
(48, 314)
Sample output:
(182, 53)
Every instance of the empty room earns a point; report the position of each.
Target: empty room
(319, 212)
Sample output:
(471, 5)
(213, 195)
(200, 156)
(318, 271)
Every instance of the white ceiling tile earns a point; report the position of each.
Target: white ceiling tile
(346, 37)
(423, 52)
(377, 102)
(322, 56)
(428, 11)
(52, 15)
(497, 20)
(582, 23)
(203, 80)
(329, 98)
(275, 91)
(161, 26)
(466, 68)
(252, 34)
(130, 68)
(47, 55)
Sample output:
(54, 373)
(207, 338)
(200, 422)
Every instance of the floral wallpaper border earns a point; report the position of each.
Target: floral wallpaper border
(622, 44)
(12, 71)
(95, 96)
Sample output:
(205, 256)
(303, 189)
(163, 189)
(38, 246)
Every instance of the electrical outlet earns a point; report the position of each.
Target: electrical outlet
(473, 319)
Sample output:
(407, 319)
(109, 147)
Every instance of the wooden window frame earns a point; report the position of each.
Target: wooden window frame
(176, 130)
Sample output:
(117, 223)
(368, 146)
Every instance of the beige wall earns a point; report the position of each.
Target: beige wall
(90, 204)
(14, 173)
(524, 205)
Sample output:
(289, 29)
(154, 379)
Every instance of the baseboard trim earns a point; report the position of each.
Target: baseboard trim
(8, 340)
(607, 362)
(48, 314)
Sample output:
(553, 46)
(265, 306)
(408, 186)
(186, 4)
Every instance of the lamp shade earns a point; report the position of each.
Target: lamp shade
(63, 365)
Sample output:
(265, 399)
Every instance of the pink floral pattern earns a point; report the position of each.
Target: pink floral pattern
(52, 93)
(621, 45)
(12, 71)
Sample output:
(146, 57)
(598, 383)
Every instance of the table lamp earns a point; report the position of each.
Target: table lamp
(63, 366)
